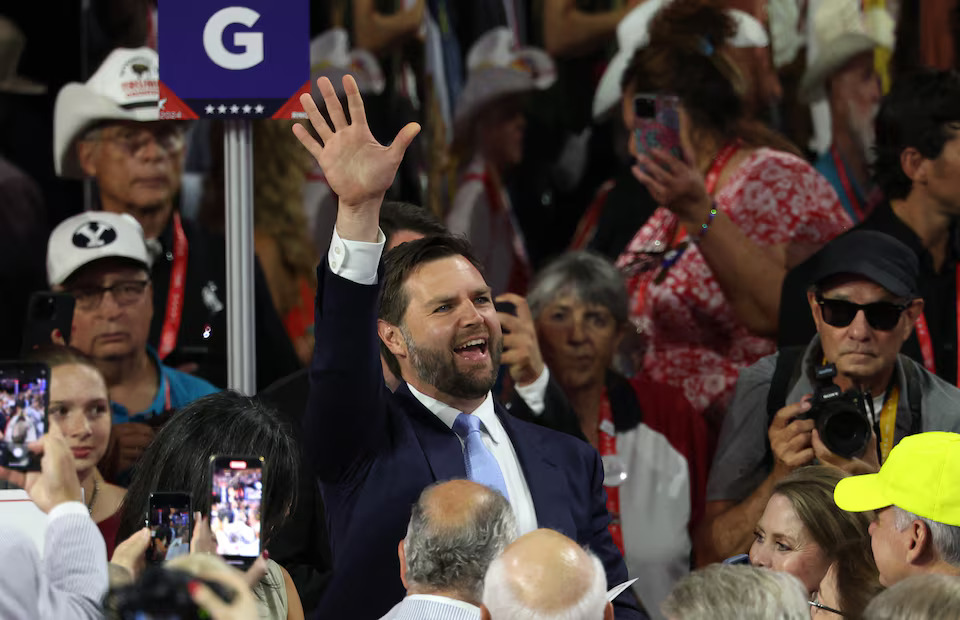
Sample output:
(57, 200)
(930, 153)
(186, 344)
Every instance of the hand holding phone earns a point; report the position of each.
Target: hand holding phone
(46, 313)
(236, 507)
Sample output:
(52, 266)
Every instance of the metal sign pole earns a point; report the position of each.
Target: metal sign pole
(238, 183)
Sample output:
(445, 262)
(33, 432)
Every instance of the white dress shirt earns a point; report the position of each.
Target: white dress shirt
(363, 259)
(432, 607)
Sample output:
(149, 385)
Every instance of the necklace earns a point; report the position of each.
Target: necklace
(93, 496)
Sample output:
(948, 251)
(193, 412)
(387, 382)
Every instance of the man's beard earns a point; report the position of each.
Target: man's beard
(439, 368)
(862, 130)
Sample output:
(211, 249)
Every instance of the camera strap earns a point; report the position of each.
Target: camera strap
(888, 422)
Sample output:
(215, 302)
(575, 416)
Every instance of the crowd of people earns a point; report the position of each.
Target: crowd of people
(563, 309)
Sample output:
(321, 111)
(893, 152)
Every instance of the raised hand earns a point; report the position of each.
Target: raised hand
(56, 482)
(358, 168)
(521, 351)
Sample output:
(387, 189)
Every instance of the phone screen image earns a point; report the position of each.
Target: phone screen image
(24, 397)
(656, 124)
(169, 518)
(235, 509)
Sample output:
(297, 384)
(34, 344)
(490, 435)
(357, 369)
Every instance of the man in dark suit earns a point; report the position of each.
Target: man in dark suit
(374, 451)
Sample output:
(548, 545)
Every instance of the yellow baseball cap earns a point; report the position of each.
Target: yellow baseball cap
(921, 475)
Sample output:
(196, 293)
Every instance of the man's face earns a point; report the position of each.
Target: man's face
(501, 128)
(578, 340)
(943, 177)
(137, 165)
(890, 547)
(855, 94)
(450, 329)
(861, 352)
(117, 324)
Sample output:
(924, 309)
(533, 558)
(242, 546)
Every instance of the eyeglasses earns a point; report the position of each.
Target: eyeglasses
(124, 293)
(820, 605)
(881, 315)
(133, 141)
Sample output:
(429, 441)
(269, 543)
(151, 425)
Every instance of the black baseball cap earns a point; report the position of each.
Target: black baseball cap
(874, 255)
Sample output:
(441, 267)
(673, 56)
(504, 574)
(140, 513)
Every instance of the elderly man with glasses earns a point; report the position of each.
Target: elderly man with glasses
(101, 259)
(866, 395)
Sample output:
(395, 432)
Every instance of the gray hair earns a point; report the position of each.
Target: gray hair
(737, 592)
(946, 538)
(500, 598)
(455, 558)
(588, 276)
(921, 597)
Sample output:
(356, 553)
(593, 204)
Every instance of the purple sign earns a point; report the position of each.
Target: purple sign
(223, 60)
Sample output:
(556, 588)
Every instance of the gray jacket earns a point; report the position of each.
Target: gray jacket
(739, 465)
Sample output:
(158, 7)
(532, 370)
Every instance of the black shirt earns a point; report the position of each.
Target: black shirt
(204, 305)
(939, 291)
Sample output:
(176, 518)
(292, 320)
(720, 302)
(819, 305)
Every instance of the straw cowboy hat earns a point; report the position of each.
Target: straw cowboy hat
(331, 57)
(496, 67)
(124, 88)
(12, 43)
(633, 33)
(842, 31)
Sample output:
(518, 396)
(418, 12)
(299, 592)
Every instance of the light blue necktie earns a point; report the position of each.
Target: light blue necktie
(481, 466)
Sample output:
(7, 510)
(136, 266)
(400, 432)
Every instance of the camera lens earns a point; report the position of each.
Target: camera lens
(844, 431)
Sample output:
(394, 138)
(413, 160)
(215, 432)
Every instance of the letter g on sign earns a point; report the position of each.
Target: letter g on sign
(251, 42)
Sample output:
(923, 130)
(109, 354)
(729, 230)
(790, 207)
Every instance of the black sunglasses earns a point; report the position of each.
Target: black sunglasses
(881, 315)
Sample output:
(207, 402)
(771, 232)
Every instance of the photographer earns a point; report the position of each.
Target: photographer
(865, 304)
(72, 576)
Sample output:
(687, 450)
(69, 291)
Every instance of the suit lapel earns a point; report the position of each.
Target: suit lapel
(539, 469)
(440, 445)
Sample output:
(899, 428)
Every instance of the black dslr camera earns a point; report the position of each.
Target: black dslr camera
(159, 594)
(841, 417)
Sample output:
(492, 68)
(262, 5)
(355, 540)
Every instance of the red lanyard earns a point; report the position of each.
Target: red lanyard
(847, 186)
(926, 341)
(178, 276)
(607, 440)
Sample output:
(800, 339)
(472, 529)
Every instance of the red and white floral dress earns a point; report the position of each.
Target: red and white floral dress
(687, 333)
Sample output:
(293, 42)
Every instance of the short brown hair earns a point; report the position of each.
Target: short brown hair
(399, 264)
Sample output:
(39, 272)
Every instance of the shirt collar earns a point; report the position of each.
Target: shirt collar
(448, 415)
(442, 599)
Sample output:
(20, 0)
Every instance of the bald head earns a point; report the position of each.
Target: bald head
(545, 574)
(456, 529)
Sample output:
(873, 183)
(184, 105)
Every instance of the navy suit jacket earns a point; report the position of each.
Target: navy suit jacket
(374, 452)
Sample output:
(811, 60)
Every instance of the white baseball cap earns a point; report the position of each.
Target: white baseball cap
(79, 240)
(124, 87)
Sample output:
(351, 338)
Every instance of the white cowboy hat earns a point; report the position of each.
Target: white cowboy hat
(331, 57)
(496, 67)
(12, 42)
(842, 31)
(125, 88)
(633, 33)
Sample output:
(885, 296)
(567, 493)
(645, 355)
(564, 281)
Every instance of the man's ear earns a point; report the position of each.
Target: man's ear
(914, 165)
(608, 611)
(485, 615)
(402, 554)
(392, 338)
(913, 312)
(87, 156)
(920, 543)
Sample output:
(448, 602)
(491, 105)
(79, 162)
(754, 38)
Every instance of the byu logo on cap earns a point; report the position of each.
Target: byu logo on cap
(94, 234)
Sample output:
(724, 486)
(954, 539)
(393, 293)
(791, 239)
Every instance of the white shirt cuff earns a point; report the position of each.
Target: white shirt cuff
(356, 261)
(67, 508)
(535, 393)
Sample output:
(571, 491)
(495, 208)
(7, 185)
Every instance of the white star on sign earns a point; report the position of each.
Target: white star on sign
(234, 109)
(259, 109)
(209, 109)
(222, 109)
(247, 108)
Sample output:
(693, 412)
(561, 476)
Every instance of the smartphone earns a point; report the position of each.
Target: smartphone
(236, 506)
(24, 398)
(46, 312)
(170, 519)
(509, 308)
(656, 124)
